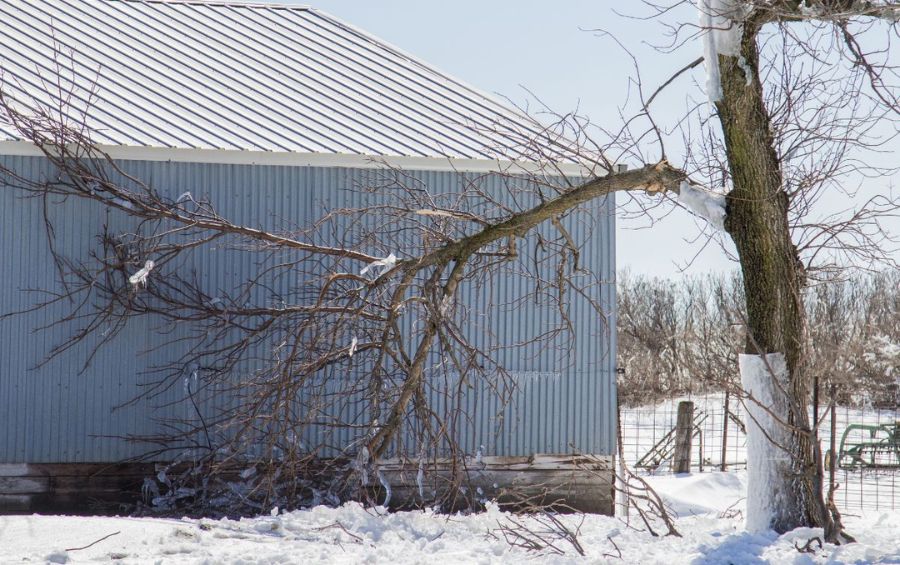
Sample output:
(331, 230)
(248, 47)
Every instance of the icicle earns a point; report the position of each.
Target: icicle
(420, 479)
(387, 488)
(353, 343)
(387, 263)
(362, 462)
(140, 277)
(190, 382)
(149, 490)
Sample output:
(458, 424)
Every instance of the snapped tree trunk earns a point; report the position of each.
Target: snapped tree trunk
(757, 221)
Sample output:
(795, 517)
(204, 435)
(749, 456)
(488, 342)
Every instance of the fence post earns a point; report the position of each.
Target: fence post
(835, 457)
(700, 448)
(725, 433)
(684, 428)
(620, 485)
(816, 406)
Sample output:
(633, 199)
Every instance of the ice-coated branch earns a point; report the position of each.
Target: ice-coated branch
(140, 278)
(823, 10)
(708, 205)
(385, 265)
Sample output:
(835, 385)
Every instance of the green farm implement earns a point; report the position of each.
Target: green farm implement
(870, 446)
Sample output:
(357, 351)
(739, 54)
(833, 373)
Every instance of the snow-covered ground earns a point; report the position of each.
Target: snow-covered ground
(710, 507)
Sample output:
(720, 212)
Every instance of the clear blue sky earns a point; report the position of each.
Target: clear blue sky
(507, 46)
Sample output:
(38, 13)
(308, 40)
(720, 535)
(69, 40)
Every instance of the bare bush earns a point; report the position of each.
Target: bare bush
(679, 337)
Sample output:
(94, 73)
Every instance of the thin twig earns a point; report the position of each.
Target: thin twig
(93, 543)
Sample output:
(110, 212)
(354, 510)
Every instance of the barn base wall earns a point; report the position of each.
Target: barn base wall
(71, 488)
(576, 483)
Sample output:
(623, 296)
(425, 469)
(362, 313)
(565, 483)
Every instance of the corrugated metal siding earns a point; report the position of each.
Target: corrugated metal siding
(246, 77)
(52, 414)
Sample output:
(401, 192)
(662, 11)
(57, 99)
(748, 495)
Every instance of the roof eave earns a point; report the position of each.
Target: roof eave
(296, 159)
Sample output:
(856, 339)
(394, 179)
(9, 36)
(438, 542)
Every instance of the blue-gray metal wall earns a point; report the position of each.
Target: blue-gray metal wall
(53, 413)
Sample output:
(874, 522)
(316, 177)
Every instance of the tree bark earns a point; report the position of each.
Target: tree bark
(757, 221)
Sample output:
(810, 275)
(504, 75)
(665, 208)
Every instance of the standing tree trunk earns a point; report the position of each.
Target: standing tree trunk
(773, 275)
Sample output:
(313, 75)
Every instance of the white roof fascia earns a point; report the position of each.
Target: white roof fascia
(296, 159)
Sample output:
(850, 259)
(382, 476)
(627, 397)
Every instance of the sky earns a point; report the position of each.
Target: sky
(553, 51)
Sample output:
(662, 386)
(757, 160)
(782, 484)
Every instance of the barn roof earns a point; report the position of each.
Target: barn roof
(242, 76)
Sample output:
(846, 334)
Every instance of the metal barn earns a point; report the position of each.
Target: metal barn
(274, 113)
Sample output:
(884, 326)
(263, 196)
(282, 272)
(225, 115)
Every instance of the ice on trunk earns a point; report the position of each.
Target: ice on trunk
(708, 205)
(765, 379)
(722, 31)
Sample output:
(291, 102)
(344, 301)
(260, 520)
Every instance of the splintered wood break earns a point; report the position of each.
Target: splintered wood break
(654, 187)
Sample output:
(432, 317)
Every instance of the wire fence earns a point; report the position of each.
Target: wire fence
(861, 449)
(719, 435)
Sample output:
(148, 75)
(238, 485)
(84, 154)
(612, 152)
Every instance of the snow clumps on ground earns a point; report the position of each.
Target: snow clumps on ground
(710, 506)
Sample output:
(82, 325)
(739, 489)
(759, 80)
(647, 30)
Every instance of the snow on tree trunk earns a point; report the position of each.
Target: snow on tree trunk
(765, 379)
(722, 36)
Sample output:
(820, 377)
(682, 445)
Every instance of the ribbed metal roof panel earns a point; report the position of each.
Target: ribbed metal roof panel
(241, 76)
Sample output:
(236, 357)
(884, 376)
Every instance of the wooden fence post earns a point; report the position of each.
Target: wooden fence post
(684, 428)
